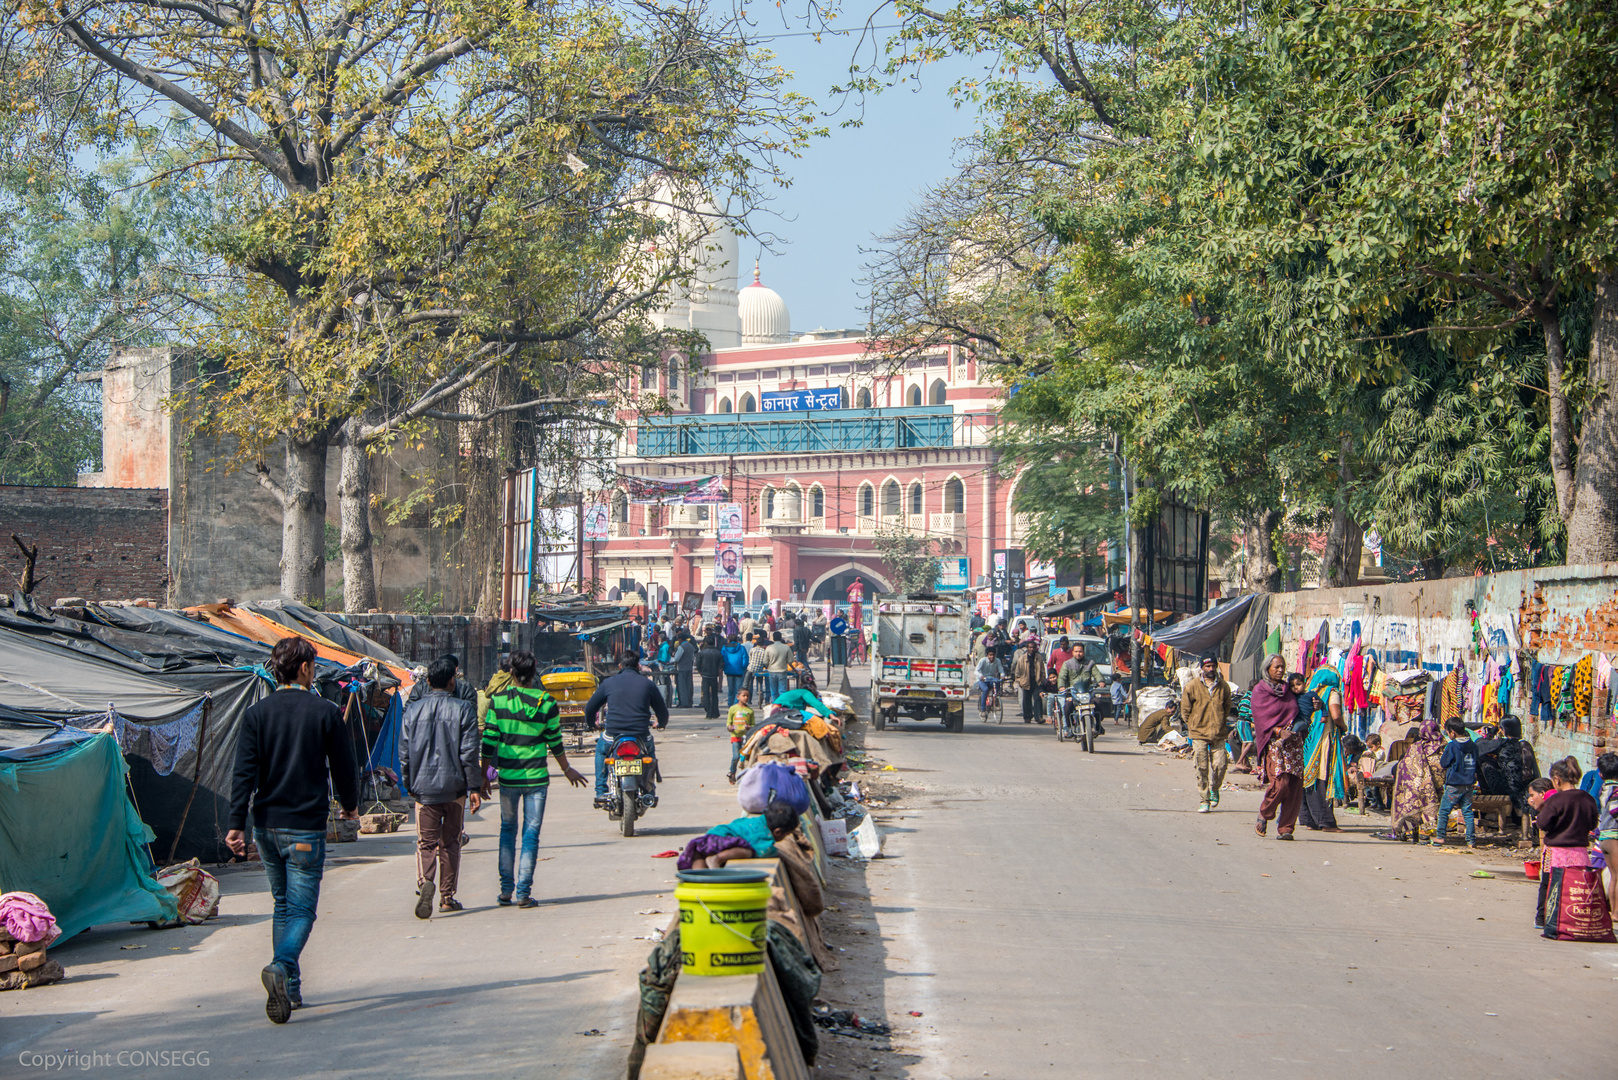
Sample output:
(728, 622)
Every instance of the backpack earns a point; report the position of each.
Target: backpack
(735, 659)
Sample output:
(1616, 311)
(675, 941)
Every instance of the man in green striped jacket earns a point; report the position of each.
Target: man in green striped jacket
(521, 730)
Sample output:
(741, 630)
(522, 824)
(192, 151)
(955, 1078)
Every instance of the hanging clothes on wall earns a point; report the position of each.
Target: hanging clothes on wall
(1583, 682)
(1354, 696)
(1564, 693)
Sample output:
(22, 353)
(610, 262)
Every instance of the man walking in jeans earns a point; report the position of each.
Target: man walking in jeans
(1460, 764)
(288, 743)
(439, 757)
(523, 727)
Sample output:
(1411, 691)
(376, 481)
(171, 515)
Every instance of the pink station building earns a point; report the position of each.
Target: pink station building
(903, 447)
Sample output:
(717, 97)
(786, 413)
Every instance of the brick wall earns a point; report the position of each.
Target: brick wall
(98, 543)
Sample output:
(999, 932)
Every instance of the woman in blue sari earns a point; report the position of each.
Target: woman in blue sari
(1323, 778)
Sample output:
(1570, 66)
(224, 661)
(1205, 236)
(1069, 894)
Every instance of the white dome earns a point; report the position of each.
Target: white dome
(765, 319)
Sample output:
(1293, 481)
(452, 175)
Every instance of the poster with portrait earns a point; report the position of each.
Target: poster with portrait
(727, 568)
(730, 523)
(595, 521)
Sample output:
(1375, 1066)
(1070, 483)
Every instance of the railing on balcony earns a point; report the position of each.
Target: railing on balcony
(831, 430)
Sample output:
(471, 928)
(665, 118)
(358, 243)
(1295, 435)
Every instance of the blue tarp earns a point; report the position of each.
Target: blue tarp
(69, 835)
(385, 752)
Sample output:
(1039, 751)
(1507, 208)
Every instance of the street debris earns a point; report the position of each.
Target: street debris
(849, 1023)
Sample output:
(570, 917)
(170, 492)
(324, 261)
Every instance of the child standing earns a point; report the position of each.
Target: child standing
(738, 720)
(1460, 764)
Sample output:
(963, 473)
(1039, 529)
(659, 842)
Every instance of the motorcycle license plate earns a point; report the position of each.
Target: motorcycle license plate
(626, 768)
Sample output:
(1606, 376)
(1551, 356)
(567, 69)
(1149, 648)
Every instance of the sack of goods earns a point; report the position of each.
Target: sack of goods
(768, 781)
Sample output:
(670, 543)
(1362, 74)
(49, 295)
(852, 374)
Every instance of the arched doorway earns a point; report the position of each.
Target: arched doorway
(760, 596)
(613, 593)
(913, 396)
(937, 394)
(834, 585)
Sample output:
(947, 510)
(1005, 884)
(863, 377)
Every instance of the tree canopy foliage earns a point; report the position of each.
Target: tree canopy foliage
(415, 194)
(1290, 257)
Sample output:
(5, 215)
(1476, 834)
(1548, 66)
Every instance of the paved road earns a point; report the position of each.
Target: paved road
(1057, 914)
(489, 992)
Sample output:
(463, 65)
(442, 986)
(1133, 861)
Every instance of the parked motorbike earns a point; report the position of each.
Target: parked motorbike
(631, 782)
(1073, 715)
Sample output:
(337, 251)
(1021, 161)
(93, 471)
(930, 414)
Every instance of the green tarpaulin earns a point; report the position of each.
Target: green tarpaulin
(69, 835)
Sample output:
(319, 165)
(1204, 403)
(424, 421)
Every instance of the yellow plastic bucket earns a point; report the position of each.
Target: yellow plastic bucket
(722, 921)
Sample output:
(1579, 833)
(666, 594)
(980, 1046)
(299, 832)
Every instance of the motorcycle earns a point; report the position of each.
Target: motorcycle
(1073, 715)
(631, 782)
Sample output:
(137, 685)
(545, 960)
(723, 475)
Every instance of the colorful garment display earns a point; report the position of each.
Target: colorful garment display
(1583, 683)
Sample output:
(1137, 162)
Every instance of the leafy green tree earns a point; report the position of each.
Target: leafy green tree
(1460, 157)
(418, 196)
(86, 270)
(911, 558)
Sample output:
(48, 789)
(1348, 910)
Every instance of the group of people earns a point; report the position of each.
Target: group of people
(1000, 657)
(293, 739)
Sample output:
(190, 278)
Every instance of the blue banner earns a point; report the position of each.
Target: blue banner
(800, 400)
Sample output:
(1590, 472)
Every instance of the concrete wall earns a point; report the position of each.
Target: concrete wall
(223, 537)
(95, 543)
(134, 421)
(1556, 615)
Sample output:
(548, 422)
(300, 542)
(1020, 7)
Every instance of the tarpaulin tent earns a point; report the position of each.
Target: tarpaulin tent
(69, 835)
(1202, 633)
(251, 624)
(302, 617)
(55, 682)
(178, 728)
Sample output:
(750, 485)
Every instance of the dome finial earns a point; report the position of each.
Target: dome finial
(756, 281)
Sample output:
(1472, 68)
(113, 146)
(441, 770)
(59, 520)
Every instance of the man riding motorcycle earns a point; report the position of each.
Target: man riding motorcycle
(630, 699)
(1079, 674)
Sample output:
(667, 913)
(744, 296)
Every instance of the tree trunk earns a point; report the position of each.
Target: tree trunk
(354, 507)
(1592, 526)
(1561, 413)
(1343, 533)
(1263, 572)
(303, 521)
(1432, 568)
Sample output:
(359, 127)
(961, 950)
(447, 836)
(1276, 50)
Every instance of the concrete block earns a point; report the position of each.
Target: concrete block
(743, 1010)
(692, 1061)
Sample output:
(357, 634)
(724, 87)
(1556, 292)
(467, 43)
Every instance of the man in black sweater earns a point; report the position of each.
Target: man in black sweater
(288, 742)
(630, 700)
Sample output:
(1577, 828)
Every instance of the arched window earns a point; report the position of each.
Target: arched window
(935, 396)
(620, 507)
(915, 498)
(674, 374)
(766, 504)
(724, 405)
(817, 501)
(867, 500)
(748, 404)
(891, 503)
(954, 496)
(913, 396)
(862, 400)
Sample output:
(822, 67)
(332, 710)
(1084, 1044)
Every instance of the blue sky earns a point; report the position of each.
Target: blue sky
(853, 184)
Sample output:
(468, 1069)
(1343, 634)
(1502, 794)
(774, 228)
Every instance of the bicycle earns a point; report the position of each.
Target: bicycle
(989, 705)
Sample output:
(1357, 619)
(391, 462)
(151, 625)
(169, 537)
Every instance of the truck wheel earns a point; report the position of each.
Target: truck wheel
(956, 721)
(879, 716)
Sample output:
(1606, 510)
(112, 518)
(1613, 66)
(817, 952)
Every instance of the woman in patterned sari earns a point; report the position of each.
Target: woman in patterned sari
(1416, 785)
(1323, 778)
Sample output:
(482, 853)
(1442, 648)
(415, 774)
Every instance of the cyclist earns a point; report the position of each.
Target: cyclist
(630, 699)
(989, 673)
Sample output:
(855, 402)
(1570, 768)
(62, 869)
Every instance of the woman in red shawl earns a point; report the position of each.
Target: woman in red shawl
(1278, 749)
